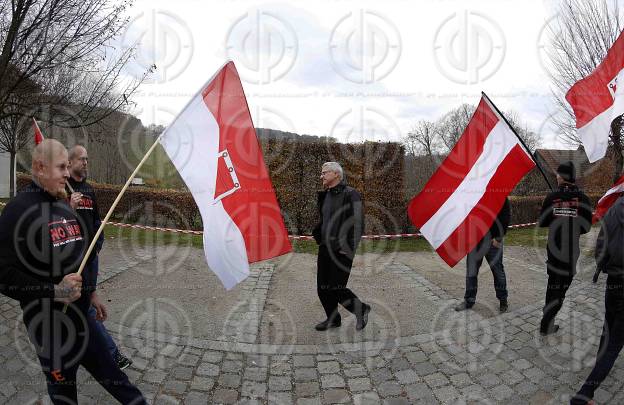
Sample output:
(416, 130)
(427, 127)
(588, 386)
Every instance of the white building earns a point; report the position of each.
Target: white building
(5, 171)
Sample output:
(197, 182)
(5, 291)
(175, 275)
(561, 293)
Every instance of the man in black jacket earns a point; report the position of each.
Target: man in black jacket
(567, 214)
(84, 202)
(609, 255)
(490, 247)
(41, 247)
(338, 234)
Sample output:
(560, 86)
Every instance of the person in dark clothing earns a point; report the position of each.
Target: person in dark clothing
(490, 247)
(42, 244)
(338, 234)
(567, 214)
(84, 202)
(609, 256)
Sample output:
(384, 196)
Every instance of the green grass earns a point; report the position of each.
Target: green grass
(515, 237)
(147, 237)
(528, 237)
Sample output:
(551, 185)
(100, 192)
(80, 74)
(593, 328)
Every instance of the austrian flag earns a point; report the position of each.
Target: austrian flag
(213, 144)
(461, 200)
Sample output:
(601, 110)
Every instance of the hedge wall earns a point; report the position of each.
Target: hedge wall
(372, 168)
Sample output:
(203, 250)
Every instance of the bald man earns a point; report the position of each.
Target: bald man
(41, 246)
(84, 202)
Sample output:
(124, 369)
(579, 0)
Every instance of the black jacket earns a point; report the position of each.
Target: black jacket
(567, 214)
(87, 210)
(346, 226)
(610, 243)
(41, 241)
(501, 223)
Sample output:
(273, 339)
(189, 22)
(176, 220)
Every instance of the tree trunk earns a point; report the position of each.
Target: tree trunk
(12, 175)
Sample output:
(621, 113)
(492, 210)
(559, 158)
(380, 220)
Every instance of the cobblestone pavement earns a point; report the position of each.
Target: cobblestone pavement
(467, 358)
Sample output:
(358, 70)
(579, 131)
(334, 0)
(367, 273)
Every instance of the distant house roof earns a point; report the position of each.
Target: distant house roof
(594, 177)
(552, 158)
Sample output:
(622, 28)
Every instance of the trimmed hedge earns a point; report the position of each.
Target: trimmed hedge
(374, 169)
(295, 176)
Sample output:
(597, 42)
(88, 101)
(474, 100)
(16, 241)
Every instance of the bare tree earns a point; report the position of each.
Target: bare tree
(429, 138)
(423, 139)
(57, 56)
(528, 136)
(581, 35)
(452, 124)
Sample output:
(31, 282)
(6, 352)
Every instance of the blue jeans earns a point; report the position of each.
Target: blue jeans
(494, 257)
(100, 329)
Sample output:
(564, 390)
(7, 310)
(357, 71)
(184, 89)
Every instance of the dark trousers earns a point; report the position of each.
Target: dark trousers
(611, 341)
(494, 257)
(333, 270)
(61, 352)
(556, 289)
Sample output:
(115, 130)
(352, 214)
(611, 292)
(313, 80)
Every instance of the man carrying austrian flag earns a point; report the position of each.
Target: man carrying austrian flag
(458, 206)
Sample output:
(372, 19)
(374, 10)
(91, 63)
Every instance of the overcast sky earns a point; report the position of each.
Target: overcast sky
(354, 70)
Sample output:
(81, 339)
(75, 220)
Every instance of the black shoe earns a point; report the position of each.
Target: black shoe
(122, 361)
(503, 306)
(464, 306)
(326, 324)
(363, 319)
(550, 331)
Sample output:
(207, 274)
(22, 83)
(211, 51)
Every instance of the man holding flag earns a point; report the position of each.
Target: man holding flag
(567, 214)
(459, 204)
(41, 246)
(490, 248)
(85, 204)
(609, 254)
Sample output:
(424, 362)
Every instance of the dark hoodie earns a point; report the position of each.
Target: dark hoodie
(567, 214)
(41, 241)
(610, 243)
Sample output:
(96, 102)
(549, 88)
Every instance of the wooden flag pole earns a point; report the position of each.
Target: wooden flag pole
(112, 208)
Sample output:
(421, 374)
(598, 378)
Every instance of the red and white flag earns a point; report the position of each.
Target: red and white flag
(213, 144)
(37, 131)
(461, 200)
(607, 200)
(597, 100)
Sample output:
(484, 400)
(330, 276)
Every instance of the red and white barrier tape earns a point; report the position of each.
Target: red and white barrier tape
(292, 237)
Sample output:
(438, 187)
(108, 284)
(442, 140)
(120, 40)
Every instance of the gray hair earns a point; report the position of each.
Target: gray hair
(334, 167)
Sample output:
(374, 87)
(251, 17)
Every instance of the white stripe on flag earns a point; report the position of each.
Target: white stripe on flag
(617, 189)
(192, 143)
(595, 135)
(456, 208)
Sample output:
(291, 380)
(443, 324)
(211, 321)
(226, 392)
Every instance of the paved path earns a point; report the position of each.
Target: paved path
(194, 343)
